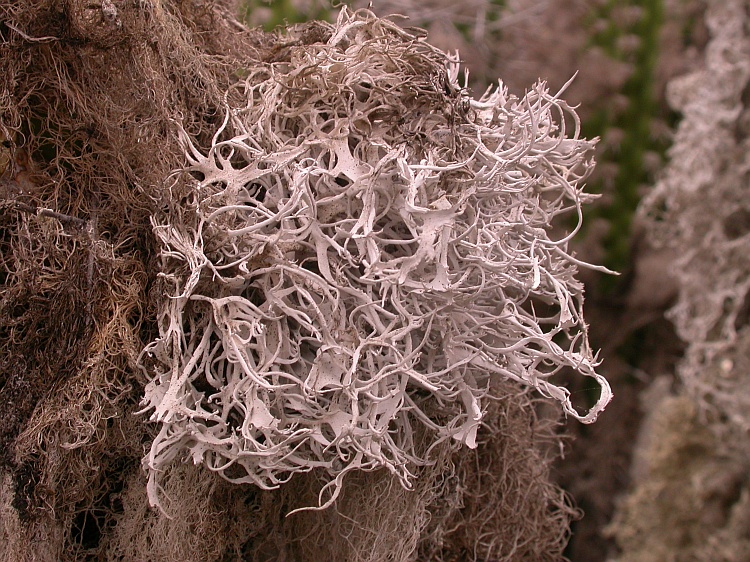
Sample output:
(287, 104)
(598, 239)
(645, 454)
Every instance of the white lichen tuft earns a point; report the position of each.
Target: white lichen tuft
(362, 249)
(699, 211)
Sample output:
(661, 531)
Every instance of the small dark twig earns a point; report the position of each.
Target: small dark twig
(93, 232)
(64, 219)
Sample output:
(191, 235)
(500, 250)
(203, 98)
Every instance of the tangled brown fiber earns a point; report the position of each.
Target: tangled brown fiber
(467, 520)
(86, 96)
(100, 102)
(493, 503)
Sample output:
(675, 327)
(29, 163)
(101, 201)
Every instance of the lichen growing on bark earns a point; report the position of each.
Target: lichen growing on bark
(375, 248)
(362, 240)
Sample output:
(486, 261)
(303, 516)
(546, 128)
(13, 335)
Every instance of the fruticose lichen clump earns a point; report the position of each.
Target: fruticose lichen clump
(363, 249)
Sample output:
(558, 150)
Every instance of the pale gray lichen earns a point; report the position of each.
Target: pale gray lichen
(690, 496)
(699, 210)
(363, 248)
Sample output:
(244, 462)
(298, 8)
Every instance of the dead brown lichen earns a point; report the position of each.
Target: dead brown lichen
(86, 113)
